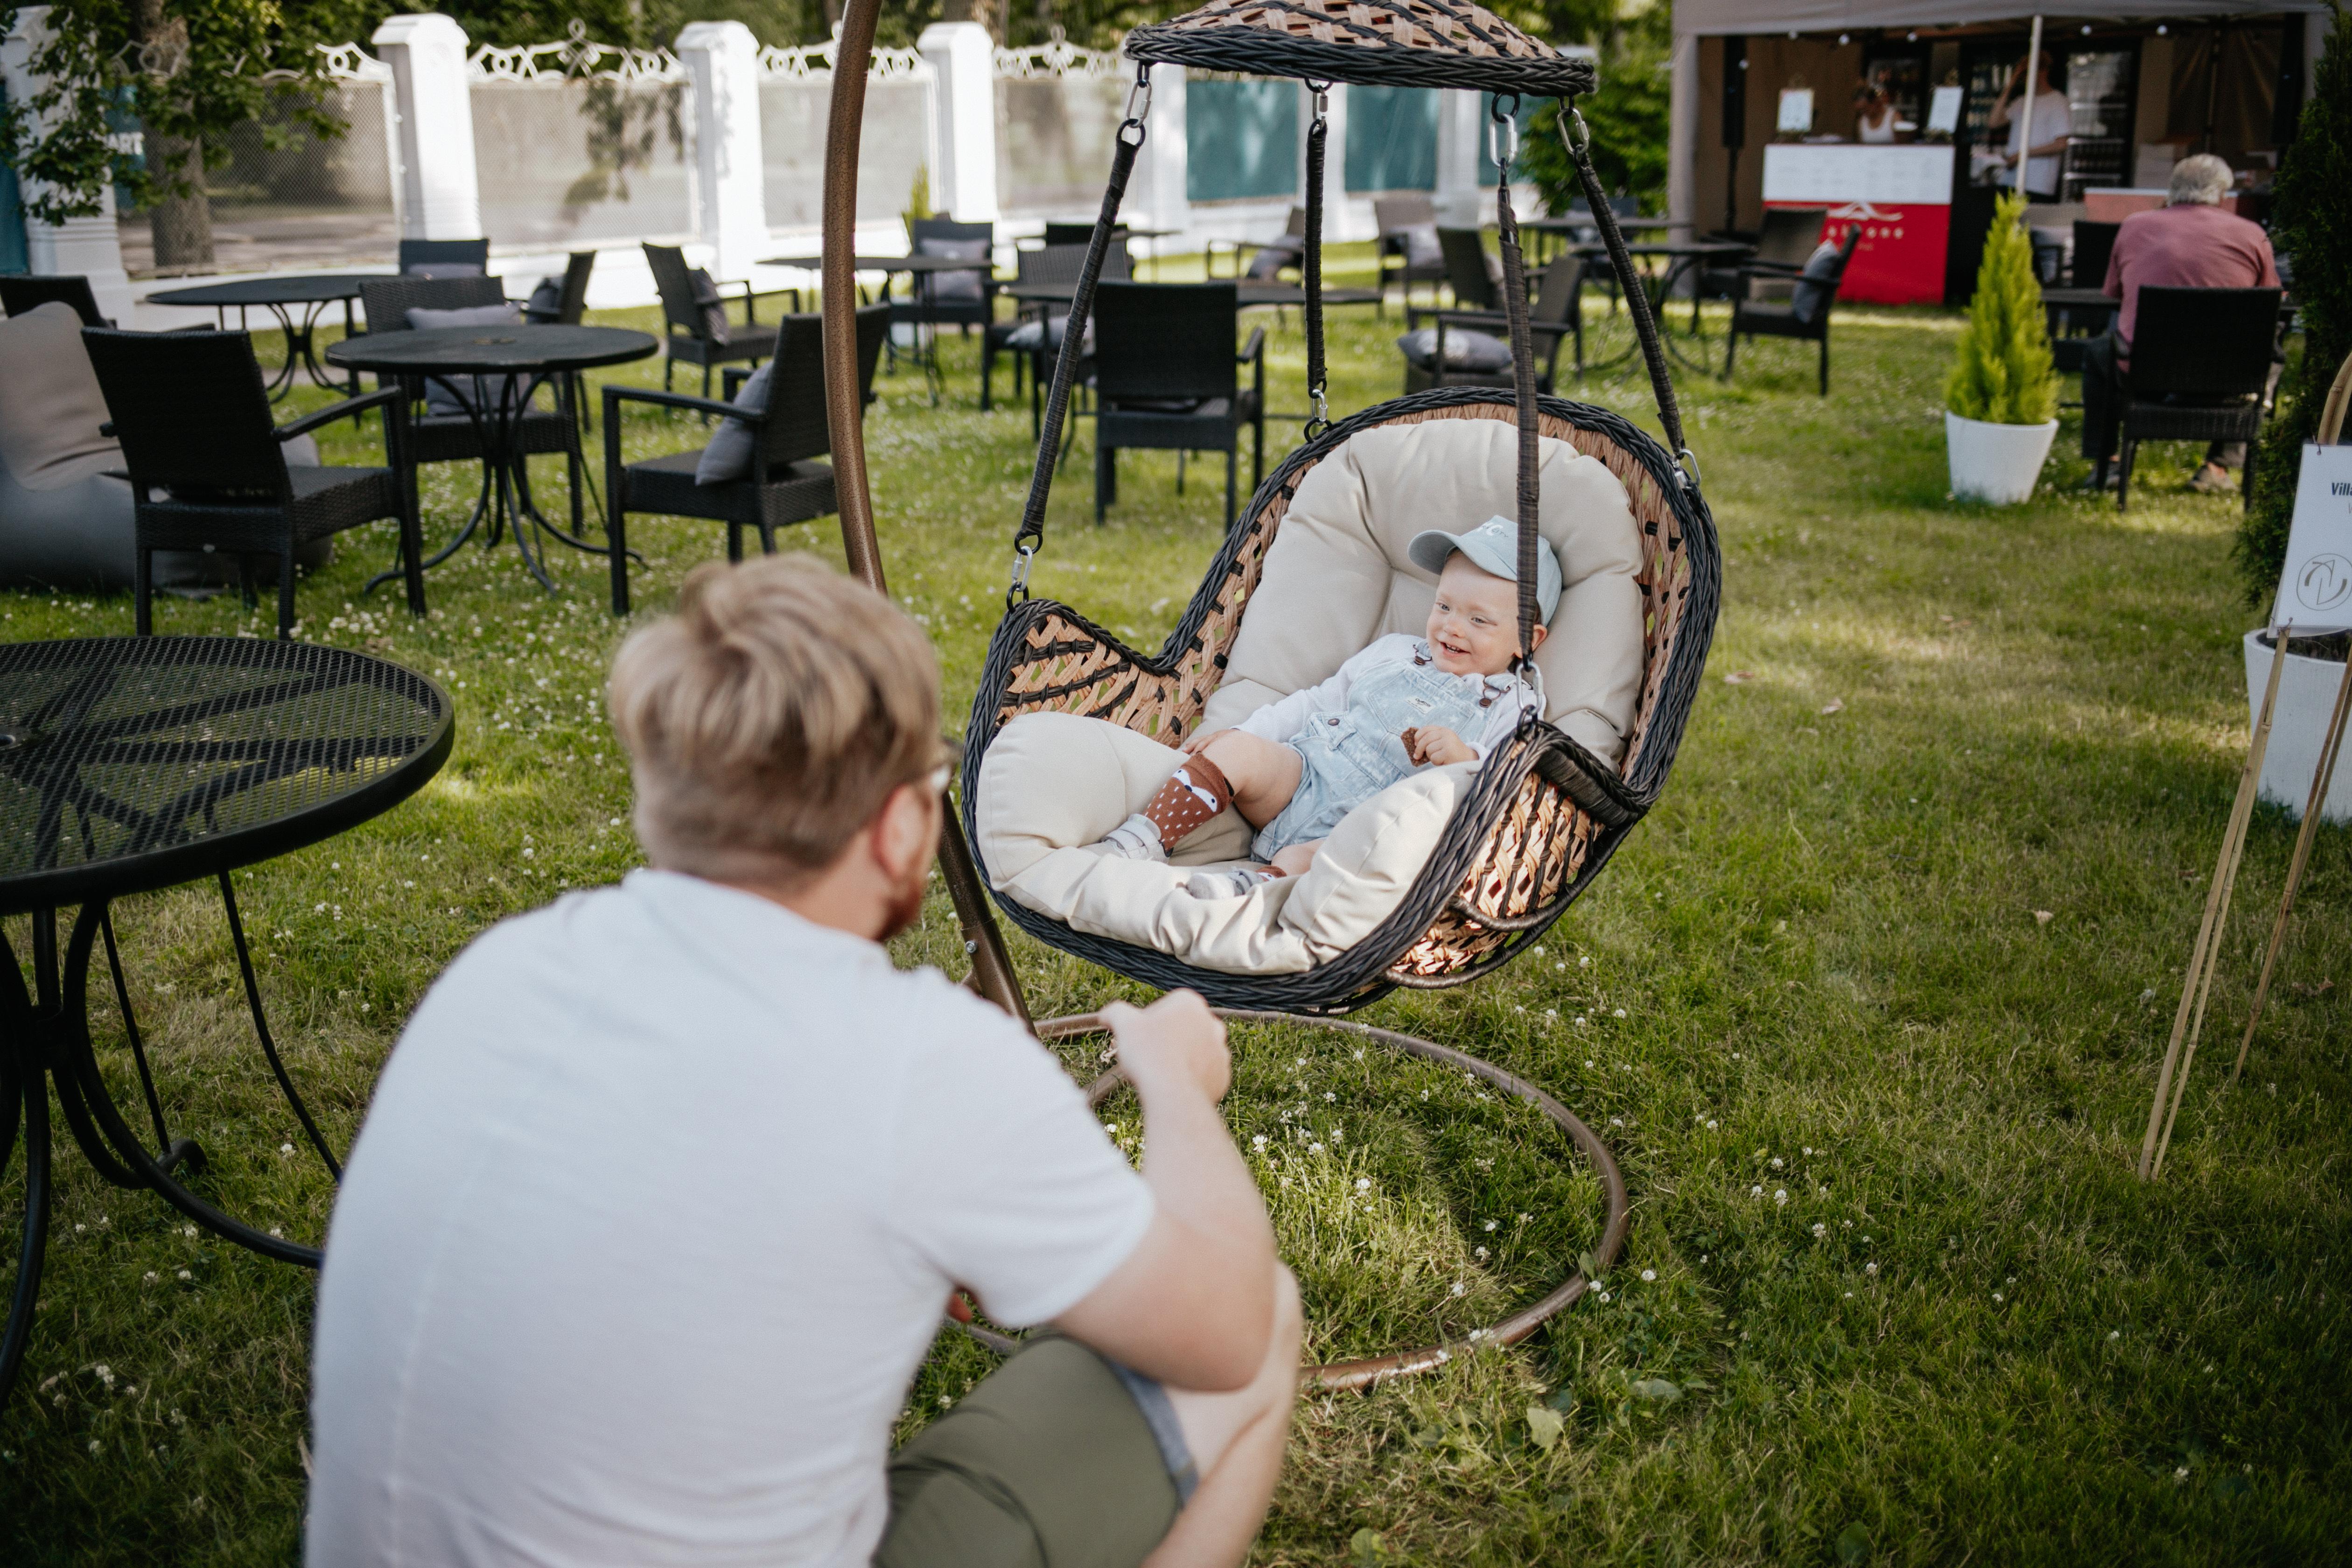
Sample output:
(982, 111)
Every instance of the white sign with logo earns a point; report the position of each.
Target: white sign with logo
(2314, 593)
(1796, 109)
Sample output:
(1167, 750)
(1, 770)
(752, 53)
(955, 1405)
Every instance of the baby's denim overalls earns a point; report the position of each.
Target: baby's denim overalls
(1350, 757)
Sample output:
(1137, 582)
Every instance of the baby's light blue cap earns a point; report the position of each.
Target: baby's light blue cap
(1491, 546)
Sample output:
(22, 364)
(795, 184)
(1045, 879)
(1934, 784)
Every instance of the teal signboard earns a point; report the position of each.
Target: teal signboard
(1241, 139)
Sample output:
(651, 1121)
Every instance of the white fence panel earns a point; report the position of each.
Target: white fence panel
(578, 141)
(795, 98)
(1057, 117)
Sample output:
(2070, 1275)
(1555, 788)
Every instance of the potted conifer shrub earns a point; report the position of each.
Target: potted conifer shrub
(2002, 399)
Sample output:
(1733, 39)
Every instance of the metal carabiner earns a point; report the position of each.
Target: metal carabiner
(1138, 97)
(1686, 464)
(1503, 132)
(1322, 91)
(1575, 134)
(1022, 555)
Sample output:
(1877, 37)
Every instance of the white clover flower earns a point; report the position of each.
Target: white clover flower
(1580, 1020)
(1809, 1149)
(2114, 1335)
(1781, 1197)
(1604, 1297)
(1776, 1162)
(1710, 1125)
(1492, 1224)
(1258, 1142)
(2179, 1475)
(285, 1148)
(149, 1276)
(1585, 963)
(1996, 1297)
(1619, 1013)
(185, 1275)
(1331, 1097)
(1819, 1231)
(1363, 1183)
(1870, 1268)
(1315, 1148)
(1480, 1254)
(1459, 1288)
(1756, 1192)
(1536, 950)
(1649, 1275)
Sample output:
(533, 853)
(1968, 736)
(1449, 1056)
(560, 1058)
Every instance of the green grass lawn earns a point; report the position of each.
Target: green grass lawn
(1869, 1009)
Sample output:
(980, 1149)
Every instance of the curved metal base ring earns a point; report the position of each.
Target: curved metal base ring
(1363, 1372)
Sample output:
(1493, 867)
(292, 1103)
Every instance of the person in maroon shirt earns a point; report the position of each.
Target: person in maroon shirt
(2189, 243)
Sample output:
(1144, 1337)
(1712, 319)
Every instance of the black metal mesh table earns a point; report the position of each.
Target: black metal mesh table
(132, 764)
(311, 293)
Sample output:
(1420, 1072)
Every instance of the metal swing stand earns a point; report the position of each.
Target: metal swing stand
(993, 974)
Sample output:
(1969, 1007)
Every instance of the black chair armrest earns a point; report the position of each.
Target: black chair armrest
(616, 395)
(345, 409)
(1770, 269)
(1495, 319)
(1254, 350)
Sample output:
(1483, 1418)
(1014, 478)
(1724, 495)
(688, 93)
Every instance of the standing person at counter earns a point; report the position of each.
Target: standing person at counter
(2187, 243)
(2038, 137)
(1875, 117)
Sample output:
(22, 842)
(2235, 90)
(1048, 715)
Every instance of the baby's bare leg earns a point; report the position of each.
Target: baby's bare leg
(1294, 860)
(1263, 773)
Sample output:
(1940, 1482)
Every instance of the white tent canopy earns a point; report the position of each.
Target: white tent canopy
(1695, 19)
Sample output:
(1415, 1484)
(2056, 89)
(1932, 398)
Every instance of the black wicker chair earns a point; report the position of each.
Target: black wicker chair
(25, 292)
(2200, 371)
(2073, 330)
(1475, 277)
(456, 438)
(965, 299)
(1804, 316)
(473, 253)
(786, 485)
(699, 332)
(1554, 315)
(572, 298)
(1789, 237)
(208, 471)
(1268, 259)
(1400, 220)
(1034, 334)
(1166, 378)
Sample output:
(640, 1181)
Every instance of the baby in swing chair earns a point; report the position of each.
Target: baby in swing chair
(1295, 768)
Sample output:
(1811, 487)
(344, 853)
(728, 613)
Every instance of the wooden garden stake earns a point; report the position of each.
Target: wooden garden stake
(2190, 1021)
(2321, 778)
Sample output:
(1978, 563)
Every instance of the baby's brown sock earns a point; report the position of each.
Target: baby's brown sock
(1197, 792)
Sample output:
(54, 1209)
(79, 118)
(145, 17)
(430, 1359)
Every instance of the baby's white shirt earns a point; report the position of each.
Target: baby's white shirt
(1280, 720)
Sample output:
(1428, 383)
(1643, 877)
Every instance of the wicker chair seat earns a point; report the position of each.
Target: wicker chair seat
(744, 341)
(2239, 419)
(327, 500)
(453, 437)
(1543, 815)
(795, 493)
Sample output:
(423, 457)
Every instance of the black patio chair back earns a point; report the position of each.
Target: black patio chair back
(2094, 247)
(1166, 378)
(1400, 219)
(965, 299)
(2203, 343)
(1166, 342)
(699, 332)
(2201, 362)
(25, 292)
(1804, 316)
(1068, 233)
(573, 304)
(674, 281)
(1466, 270)
(1789, 234)
(922, 228)
(208, 470)
(444, 253)
(785, 483)
(387, 301)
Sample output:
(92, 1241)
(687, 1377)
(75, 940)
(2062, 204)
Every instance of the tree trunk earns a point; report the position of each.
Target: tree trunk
(183, 226)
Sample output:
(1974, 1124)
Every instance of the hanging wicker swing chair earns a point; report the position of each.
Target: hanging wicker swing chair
(1544, 815)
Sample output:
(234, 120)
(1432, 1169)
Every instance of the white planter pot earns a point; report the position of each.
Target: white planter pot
(1998, 463)
(2306, 696)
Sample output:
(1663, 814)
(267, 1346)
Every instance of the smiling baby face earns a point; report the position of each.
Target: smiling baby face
(1473, 626)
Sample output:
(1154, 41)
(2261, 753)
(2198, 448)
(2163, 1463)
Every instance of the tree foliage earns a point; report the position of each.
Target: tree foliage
(1627, 117)
(190, 69)
(2311, 228)
(2002, 375)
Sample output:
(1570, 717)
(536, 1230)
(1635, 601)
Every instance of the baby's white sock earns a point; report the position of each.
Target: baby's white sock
(1233, 882)
(1137, 838)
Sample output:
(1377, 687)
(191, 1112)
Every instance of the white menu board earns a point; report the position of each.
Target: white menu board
(1901, 176)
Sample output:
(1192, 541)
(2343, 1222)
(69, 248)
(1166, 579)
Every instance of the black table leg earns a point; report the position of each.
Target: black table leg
(22, 1088)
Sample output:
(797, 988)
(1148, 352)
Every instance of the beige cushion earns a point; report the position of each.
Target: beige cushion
(50, 407)
(1053, 783)
(1337, 577)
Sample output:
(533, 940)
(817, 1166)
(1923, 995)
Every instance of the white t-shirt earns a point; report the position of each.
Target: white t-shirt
(652, 1220)
(1280, 720)
(2051, 119)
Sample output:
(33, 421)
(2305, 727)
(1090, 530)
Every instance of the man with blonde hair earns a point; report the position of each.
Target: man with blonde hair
(655, 1210)
(2187, 243)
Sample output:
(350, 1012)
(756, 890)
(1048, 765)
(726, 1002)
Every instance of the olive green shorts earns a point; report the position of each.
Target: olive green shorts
(1060, 1459)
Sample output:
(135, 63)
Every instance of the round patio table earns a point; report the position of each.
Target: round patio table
(1249, 293)
(281, 297)
(917, 269)
(1680, 258)
(133, 764)
(515, 360)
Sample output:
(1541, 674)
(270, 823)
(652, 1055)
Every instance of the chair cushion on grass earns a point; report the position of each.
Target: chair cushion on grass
(736, 442)
(957, 287)
(1338, 575)
(50, 405)
(1053, 783)
(443, 397)
(1812, 292)
(1031, 336)
(1466, 349)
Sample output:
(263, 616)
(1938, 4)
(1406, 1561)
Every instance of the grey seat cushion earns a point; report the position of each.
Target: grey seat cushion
(51, 408)
(442, 270)
(736, 441)
(1813, 287)
(1421, 246)
(485, 392)
(953, 288)
(1475, 353)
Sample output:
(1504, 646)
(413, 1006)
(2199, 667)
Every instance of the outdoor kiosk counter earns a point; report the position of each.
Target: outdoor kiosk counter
(1900, 196)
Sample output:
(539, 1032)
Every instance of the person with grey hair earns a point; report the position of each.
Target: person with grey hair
(2189, 243)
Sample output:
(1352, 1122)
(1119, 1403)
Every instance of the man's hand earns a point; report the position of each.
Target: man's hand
(1194, 746)
(1434, 744)
(1175, 1042)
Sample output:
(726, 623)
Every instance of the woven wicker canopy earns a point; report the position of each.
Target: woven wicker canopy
(1392, 43)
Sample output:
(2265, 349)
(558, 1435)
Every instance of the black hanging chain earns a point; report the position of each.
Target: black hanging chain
(1032, 532)
(1503, 146)
(1311, 263)
(1578, 138)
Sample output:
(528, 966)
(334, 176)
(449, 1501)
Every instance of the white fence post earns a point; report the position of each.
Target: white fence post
(1461, 130)
(962, 59)
(89, 245)
(1156, 190)
(731, 198)
(439, 197)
